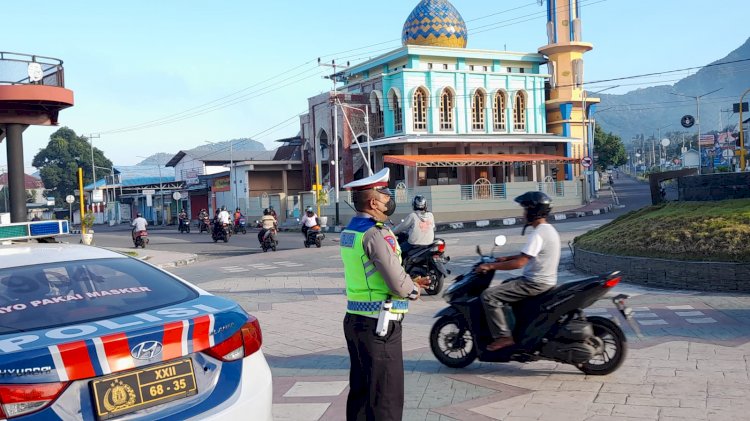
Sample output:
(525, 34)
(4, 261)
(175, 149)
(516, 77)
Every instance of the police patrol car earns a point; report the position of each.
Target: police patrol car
(87, 333)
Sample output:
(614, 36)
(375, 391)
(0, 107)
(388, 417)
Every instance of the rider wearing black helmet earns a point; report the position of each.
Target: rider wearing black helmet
(539, 259)
(267, 222)
(420, 225)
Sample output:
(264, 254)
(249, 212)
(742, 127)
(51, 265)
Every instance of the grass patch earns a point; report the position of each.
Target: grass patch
(130, 253)
(696, 231)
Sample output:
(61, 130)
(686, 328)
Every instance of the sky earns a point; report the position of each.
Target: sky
(160, 76)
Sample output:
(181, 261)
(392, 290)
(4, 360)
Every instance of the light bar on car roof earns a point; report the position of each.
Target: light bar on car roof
(31, 230)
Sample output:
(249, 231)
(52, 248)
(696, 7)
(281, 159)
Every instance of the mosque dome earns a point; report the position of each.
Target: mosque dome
(435, 23)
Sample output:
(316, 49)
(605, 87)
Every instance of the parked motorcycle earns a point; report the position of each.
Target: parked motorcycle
(550, 326)
(428, 261)
(204, 225)
(314, 237)
(184, 225)
(268, 242)
(223, 233)
(140, 239)
(240, 225)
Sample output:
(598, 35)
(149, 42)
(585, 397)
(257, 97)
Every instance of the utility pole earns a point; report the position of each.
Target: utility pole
(91, 138)
(698, 121)
(334, 101)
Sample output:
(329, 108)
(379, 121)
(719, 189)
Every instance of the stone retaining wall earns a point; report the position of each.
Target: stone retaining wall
(715, 186)
(664, 273)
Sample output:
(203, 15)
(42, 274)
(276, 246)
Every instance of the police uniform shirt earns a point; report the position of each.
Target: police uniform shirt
(380, 245)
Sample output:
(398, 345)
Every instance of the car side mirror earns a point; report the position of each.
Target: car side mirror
(500, 240)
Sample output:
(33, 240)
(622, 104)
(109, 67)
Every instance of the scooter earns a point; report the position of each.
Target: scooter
(140, 239)
(223, 233)
(184, 225)
(314, 237)
(240, 225)
(268, 242)
(550, 326)
(204, 225)
(426, 261)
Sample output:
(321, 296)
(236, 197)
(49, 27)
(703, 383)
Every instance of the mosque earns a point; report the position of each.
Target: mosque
(467, 128)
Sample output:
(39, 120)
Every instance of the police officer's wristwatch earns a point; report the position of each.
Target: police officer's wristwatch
(413, 294)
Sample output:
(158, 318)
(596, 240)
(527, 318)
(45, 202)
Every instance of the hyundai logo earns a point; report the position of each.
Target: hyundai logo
(146, 350)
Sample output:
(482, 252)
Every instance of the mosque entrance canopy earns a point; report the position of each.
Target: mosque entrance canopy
(477, 160)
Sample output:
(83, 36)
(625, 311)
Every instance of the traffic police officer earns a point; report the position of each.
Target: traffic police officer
(374, 276)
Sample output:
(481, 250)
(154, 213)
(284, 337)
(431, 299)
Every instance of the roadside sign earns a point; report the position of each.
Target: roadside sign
(687, 121)
(586, 161)
(70, 198)
(176, 195)
(97, 196)
(736, 107)
(148, 192)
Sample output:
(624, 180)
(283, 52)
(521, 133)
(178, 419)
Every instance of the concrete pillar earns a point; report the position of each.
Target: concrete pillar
(16, 177)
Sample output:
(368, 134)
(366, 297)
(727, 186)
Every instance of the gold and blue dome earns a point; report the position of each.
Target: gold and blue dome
(435, 23)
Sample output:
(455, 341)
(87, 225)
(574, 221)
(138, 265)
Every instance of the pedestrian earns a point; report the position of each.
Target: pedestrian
(376, 288)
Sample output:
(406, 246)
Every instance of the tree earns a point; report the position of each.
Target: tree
(58, 162)
(610, 149)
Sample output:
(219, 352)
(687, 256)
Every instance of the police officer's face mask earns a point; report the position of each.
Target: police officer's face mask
(390, 205)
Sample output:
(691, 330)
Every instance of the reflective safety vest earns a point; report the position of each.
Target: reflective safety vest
(365, 287)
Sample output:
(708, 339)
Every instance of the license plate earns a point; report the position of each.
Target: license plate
(123, 393)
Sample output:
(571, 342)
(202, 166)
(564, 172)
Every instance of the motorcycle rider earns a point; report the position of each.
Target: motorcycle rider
(202, 218)
(539, 259)
(181, 217)
(267, 222)
(138, 224)
(272, 212)
(420, 225)
(309, 220)
(222, 218)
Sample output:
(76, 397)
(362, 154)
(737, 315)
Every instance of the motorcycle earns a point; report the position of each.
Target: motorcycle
(184, 225)
(268, 242)
(550, 326)
(204, 225)
(426, 261)
(314, 237)
(223, 233)
(240, 225)
(140, 239)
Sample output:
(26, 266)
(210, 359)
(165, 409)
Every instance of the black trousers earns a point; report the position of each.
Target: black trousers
(376, 376)
(510, 291)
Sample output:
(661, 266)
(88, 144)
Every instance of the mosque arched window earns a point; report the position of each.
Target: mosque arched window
(377, 112)
(498, 108)
(420, 109)
(398, 118)
(446, 109)
(477, 110)
(519, 111)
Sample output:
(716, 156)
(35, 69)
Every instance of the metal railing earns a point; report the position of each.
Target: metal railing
(553, 188)
(483, 192)
(26, 69)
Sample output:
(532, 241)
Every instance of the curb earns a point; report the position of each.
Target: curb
(488, 223)
(178, 263)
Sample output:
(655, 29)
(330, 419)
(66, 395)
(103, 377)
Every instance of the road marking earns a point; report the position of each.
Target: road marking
(597, 310)
(235, 269)
(262, 266)
(645, 315)
(651, 322)
(689, 313)
(288, 264)
(681, 307)
(641, 309)
(702, 320)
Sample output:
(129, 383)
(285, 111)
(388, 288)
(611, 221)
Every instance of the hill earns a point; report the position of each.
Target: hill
(644, 110)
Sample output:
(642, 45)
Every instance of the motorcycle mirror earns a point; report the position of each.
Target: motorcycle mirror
(479, 250)
(500, 240)
(402, 220)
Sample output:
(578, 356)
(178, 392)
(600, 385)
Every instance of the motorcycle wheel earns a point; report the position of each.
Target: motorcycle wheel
(226, 239)
(436, 285)
(611, 344)
(244, 231)
(264, 249)
(451, 343)
(188, 230)
(318, 243)
(273, 248)
(307, 245)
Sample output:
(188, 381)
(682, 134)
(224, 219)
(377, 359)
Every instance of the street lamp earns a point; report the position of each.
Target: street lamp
(588, 136)
(742, 134)
(697, 99)
(161, 190)
(233, 184)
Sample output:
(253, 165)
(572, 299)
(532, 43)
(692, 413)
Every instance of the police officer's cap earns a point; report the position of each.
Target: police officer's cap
(379, 179)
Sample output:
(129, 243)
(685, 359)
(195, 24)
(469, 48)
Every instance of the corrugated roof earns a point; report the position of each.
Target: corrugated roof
(29, 182)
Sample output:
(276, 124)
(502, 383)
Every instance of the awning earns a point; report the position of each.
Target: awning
(477, 160)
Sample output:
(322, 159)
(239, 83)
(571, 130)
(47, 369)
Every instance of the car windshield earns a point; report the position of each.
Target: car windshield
(57, 294)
